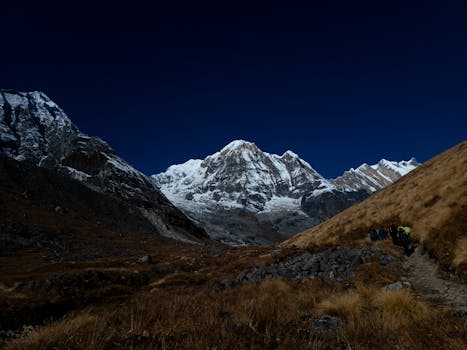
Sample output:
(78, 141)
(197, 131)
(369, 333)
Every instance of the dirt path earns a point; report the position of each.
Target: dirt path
(423, 275)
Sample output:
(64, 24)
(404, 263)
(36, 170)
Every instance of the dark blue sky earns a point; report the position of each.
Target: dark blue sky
(338, 82)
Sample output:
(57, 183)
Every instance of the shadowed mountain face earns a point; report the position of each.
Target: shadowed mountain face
(431, 199)
(280, 193)
(62, 219)
(35, 130)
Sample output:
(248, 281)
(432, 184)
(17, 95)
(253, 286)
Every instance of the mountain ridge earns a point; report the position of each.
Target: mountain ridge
(273, 187)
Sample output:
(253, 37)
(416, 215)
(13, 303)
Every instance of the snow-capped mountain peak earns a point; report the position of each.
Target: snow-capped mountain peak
(239, 175)
(290, 154)
(238, 144)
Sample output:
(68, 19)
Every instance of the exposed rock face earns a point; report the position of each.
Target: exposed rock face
(282, 193)
(221, 223)
(34, 129)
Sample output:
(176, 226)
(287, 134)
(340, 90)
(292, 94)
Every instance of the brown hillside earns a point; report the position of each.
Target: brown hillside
(432, 199)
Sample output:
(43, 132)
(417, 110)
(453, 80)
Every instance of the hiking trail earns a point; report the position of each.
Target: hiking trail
(425, 280)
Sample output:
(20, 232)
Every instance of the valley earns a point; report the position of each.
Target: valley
(241, 250)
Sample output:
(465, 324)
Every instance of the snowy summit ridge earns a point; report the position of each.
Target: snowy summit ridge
(374, 177)
(239, 175)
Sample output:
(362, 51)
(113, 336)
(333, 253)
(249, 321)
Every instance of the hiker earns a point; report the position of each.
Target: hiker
(382, 233)
(394, 235)
(373, 235)
(404, 238)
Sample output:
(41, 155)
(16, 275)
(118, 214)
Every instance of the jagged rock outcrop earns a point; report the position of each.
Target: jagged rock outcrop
(35, 129)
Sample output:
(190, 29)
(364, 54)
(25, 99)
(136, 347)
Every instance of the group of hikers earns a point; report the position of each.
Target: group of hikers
(400, 236)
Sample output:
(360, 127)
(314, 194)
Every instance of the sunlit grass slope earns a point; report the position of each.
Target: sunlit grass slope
(432, 199)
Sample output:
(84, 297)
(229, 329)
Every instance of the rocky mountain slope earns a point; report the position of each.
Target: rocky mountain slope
(280, 193)
(35, 130)
(432, 199)
(374, 177)
(54, 217)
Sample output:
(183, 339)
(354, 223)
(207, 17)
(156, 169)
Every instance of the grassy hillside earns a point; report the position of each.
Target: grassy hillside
(432, 199)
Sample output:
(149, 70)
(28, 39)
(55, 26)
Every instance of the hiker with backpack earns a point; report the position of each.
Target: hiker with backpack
(394, 234)
(404, 239)
(382, 233)
(373, 234)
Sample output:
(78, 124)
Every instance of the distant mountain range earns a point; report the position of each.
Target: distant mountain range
(241, 186)
(239, 195)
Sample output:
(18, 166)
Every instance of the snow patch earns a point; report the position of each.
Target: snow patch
(120, 164)
(236, 144)
(402, 168)
(281, 203)
(77, 174)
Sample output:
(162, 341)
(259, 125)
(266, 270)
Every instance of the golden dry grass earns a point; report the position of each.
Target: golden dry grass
(389, 320)
(395, 310)
(347, 305)
(460, 254)
(432, 199)
(181, 320)
(399, 309)
(81, 331)
(274, 314)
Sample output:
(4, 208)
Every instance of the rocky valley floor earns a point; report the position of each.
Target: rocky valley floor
(360, 296)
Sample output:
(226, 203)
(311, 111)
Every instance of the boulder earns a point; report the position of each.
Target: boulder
(326, 323)
(394, 286)
(147, 259)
